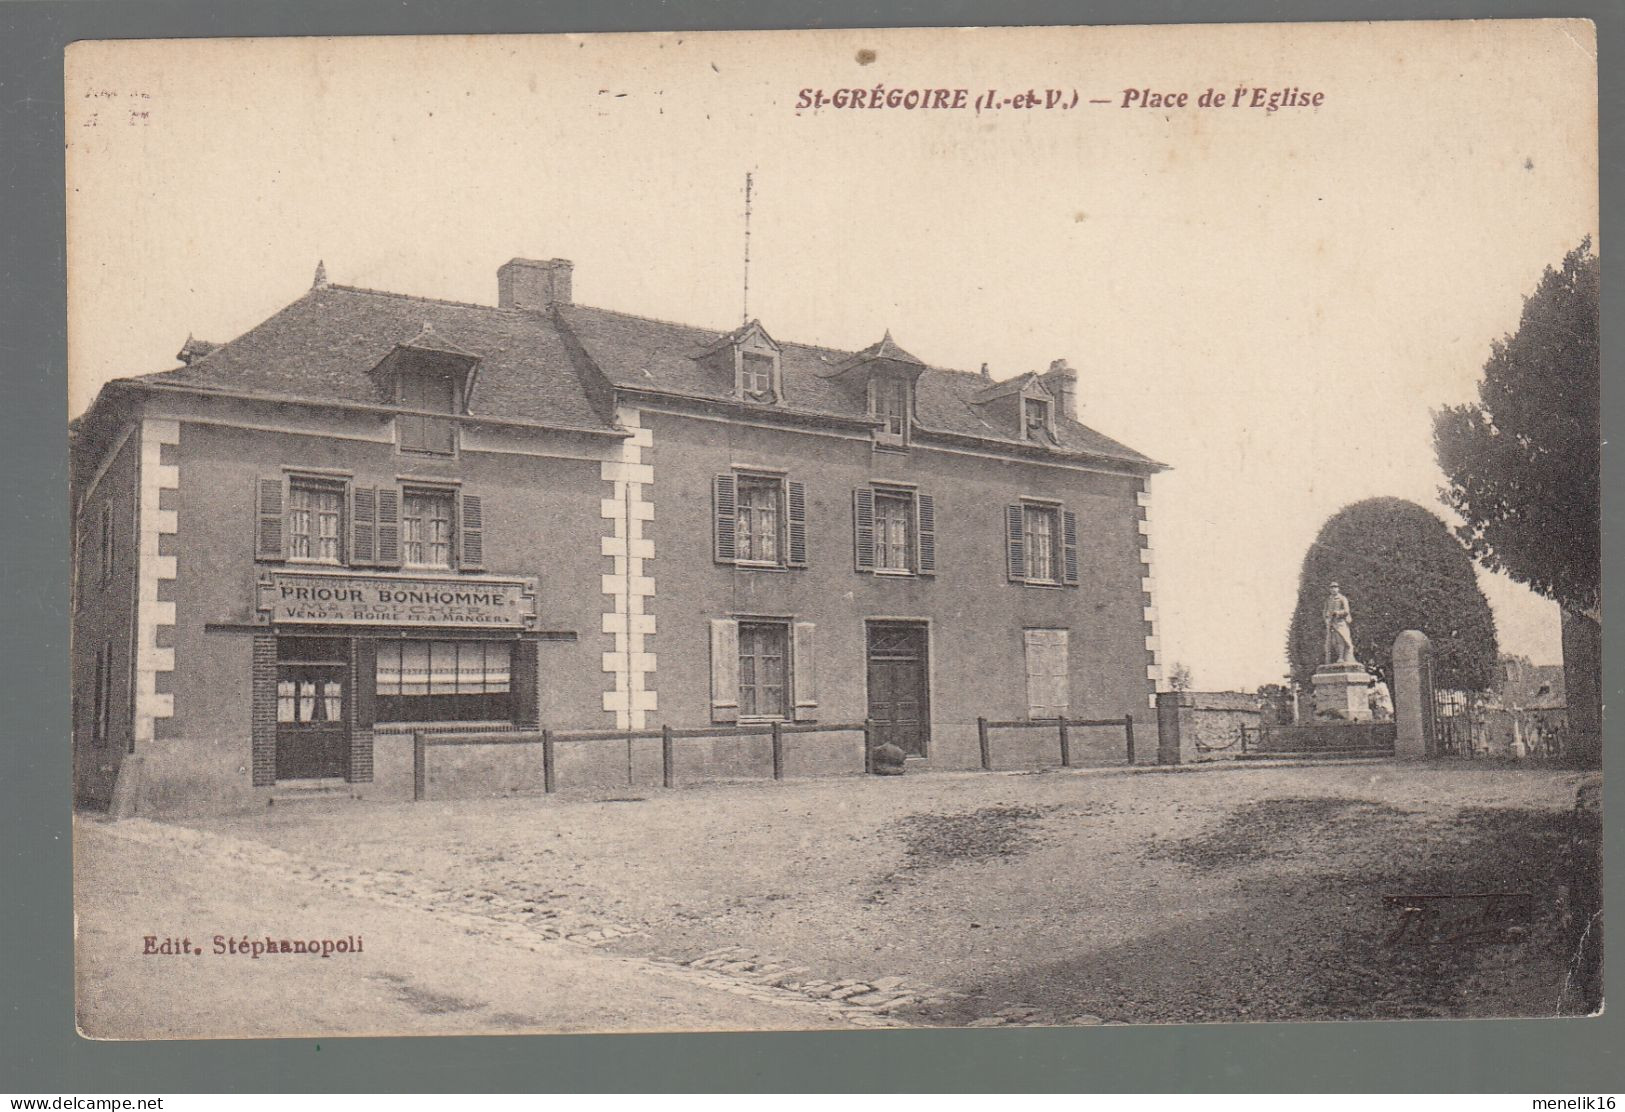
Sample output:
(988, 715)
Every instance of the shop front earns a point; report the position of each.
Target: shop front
(347, 657)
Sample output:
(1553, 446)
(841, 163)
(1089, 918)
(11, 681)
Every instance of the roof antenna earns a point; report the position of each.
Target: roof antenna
(746, 304)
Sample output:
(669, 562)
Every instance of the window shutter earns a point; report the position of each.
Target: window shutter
(1069, 537)
(724, 670)
(268, 508)
(1015, 550)
(726, 502)
(795, 500)
(389, 527)
(926, 510)
(363, 525)
(364, 684)
(470, 518)
(863, 531)
(806, 671)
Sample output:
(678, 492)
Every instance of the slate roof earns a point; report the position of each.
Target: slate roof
(323, 346)
(640, 353)
(554, 369)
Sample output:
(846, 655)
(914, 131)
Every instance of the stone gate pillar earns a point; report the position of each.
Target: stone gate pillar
(1413, 695)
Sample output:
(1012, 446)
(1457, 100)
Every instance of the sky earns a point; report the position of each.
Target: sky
(1271, 303)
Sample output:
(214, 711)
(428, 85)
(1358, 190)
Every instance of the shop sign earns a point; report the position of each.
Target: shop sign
(324, 599)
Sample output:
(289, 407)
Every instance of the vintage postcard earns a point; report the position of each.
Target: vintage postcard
(985, 527)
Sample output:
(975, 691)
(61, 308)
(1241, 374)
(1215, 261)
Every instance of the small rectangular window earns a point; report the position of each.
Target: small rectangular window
(763, 686)
(315, 521)
(1041, 528)
(756, 528)
(426, 529)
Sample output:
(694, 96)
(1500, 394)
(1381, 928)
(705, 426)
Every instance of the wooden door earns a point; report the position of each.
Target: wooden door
(312, 732)
(899, 696)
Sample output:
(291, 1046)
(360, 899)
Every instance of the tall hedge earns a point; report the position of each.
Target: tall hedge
(1401, 568)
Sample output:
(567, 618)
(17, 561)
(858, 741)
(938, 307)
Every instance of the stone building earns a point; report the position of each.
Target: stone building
(375, 514)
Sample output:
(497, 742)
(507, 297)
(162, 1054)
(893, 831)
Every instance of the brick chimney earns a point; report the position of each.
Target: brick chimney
(1062, 381)
(533, 283)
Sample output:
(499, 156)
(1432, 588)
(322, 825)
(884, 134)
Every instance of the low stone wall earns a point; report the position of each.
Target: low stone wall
(1327, 737)
(1204, 725)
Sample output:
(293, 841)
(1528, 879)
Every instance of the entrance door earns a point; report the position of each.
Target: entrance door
(312, 737)
(899, 702)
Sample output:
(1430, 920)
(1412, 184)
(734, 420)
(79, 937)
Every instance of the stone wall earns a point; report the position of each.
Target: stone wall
(1204, 725)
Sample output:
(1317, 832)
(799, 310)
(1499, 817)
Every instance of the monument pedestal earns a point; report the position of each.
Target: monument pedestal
(1342, 692)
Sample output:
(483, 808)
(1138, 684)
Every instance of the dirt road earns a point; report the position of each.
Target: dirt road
(974, 899)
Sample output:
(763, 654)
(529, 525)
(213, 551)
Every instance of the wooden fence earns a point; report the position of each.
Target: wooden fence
(1063, 728)
(777, 731)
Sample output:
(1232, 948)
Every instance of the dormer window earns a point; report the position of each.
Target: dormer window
(750, 357)
(889, 403)
(756, 377)
(1035, 418)
(427, 394)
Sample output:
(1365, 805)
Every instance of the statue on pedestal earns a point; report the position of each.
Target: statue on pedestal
(1339, 629)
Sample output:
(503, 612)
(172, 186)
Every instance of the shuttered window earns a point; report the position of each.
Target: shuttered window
(1049, 685)
(315, 521)
(894, 531)
(759, 519)
(312, 520)
(1041, 544)
(426, 524)
(763, 680)
(763, 669)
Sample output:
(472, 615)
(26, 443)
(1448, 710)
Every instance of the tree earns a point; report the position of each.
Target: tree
(1401, 568)
(1523, 462)
(1179, 677)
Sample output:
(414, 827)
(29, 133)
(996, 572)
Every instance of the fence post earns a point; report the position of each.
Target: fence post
(419, 770)
(547, 762)
(981, 739)
(1066, 746)
(868, 746)
(778, 751)
(665, 755)
(1128, 730)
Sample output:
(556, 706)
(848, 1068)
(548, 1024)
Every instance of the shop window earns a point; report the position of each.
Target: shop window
(894, 531)
(1041, 541)
(315, 517)
(1049, 683)
(422, 431)
(760, 520)
(444, 681)
(426, 528)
